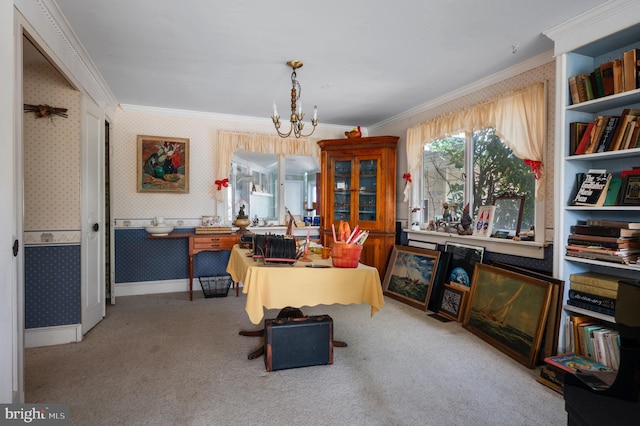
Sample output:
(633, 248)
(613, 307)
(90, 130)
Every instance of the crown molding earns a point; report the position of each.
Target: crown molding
(221, 117)
(64, 48)
(594, 24)
(512, 71)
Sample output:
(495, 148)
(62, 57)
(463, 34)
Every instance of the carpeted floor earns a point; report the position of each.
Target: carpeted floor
(162, 360)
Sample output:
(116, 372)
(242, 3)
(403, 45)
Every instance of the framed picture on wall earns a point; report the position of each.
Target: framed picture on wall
(462, 261)
(163, 164)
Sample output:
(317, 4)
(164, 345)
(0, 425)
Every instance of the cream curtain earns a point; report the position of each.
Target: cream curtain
(519, 118)
(229, 142)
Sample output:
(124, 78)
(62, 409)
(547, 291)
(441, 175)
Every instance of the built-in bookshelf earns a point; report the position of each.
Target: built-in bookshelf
(578, 52)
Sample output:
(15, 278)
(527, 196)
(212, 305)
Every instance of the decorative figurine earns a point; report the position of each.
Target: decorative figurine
(256, 220)
(446, 215)
(465, 222)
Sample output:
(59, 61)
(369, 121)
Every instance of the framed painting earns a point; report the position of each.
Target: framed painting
(549, 345)
(410, 275)
(452, 302)
(163, 164)
(508, 310)
(630, 195)
(461, 262)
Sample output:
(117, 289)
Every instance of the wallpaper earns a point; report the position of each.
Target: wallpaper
(51, 159)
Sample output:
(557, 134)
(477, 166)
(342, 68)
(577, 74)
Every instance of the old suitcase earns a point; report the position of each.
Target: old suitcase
(298, 342)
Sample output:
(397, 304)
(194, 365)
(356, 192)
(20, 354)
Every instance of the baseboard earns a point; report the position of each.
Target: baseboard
(49, 336)
(154, 287)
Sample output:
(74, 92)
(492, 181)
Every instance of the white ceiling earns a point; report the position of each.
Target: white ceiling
(365, 61)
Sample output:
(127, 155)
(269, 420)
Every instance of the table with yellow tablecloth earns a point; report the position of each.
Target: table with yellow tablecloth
(276, 287)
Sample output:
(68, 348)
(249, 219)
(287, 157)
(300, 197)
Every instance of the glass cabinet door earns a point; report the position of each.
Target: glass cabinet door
(342, 190)
(367, 190)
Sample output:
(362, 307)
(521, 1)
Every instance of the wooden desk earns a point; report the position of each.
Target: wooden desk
(276, 287)
(204, 242)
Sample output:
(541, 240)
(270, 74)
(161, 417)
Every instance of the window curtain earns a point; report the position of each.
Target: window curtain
(519, 118)
(229, 142)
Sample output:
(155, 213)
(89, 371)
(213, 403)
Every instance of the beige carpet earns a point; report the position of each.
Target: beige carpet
(162, 360)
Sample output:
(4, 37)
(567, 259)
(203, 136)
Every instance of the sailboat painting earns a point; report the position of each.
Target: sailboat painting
(411, 275)
(508, 310)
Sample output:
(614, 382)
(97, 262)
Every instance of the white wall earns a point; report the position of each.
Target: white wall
(202, 130)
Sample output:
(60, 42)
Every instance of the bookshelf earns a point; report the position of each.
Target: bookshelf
(579, 49)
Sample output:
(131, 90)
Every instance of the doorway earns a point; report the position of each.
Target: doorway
(65, 256)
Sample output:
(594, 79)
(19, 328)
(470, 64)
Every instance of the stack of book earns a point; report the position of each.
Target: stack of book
(556, 367)
(594, 291)
(593, 339)
(606, 240)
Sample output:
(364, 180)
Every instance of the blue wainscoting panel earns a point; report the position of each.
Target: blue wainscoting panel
(52, 286)
(138, 258)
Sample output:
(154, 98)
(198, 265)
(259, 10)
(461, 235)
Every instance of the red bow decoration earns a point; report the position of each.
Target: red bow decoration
(407, 177)
(224, 182)
(535, 167)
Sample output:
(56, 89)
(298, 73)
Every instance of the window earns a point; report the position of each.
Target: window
(255, 183)
(495, 171)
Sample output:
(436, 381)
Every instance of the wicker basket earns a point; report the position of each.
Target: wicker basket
(217, 286)
(346, 255)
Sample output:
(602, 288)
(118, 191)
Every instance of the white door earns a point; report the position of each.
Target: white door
(93, 247)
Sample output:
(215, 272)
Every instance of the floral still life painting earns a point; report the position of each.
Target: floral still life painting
(410, 275)
(163, 164)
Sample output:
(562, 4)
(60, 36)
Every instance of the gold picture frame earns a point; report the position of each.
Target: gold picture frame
(509, 311)
(162, 164)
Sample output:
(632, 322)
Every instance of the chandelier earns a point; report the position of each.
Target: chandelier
(296, 108)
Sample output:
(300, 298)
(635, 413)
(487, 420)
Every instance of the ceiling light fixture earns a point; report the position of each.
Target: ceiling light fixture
(296, 108)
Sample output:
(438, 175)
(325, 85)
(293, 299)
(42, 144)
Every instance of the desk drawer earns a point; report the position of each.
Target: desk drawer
(214, 242)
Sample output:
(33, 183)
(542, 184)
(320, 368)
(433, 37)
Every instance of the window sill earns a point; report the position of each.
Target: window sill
(532, 249)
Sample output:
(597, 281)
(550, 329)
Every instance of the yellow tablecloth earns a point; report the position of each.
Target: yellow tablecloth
(276, 287)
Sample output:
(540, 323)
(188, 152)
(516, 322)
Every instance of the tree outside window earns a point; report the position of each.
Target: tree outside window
(496, 171)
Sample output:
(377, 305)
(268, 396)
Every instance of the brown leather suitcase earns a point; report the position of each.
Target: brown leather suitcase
(298, 342)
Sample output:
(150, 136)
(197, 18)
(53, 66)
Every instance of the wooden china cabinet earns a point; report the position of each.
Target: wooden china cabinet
(359, 186)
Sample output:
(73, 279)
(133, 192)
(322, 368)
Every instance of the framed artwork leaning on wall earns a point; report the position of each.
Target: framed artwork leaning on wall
(162, 164)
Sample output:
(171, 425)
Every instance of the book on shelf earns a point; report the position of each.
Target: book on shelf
(618, 76)
(606, 70)
(631, 68)
(594, 299)
(626, 120)
(576, 132)
(622, 224)
(607, 134)
(594, 290)
(585, 139)
(572, 362)
(573, 90)
(593, 190)
(597, 87)
(603, 250)
(613, 191)
(631, 135)
(603, 242)
(613, 258)
(596, 133)
(585, 91)
(597, 279)
(603, 231)
(627, 172)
